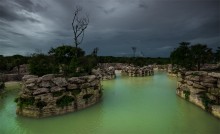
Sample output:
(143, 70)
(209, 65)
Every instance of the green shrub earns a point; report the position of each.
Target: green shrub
(41, 104)
(75, 92)
(23, 102)
(56, 94)
(87, 96)
(41, 64)
(186, 93)
(206, 102)
(64, 101)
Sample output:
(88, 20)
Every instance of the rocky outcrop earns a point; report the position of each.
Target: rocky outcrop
(138, 71)
(105, 73)
(160, 67)
(51, 95)
(23, 69)
(201, 88)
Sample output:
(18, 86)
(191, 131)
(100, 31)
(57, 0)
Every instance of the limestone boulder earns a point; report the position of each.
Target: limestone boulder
(208, 85)
(189, 82)
(48, 77)
(40, 91)
(91, 78)
(28, 77)
(57, 89)
(59, 81)
(46, 84)
(76, 80)
(85, 85)
(216, 110)
(209, 79)
(218, 83)
(31, 80)
(198, 86)
(31, 86)
(71, 86)
(196, 73)
(214, 74)
(195, 78)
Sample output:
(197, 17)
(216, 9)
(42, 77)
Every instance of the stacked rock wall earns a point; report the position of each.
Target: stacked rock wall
(105, 73)
(50, 95)
(201, 88)
(138, 71)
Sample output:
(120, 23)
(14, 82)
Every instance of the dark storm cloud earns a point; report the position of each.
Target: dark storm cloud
(155, 27)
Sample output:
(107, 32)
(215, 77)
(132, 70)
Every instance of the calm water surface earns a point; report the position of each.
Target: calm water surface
(130, 105)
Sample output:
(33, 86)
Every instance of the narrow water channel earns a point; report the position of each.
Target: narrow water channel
(130, 105)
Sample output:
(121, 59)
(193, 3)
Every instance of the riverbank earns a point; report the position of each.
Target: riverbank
(202, 89)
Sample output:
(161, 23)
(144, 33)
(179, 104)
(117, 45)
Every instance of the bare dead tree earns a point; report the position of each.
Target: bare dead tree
(79, 25)
(134, 50)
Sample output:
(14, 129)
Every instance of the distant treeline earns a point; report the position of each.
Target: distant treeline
(138, 61)
(7, 63)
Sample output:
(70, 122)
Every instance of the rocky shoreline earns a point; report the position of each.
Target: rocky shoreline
(50, 95)
(137, 71)
(202, 89)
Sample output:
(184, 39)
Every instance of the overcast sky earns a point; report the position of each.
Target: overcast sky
(155, 27)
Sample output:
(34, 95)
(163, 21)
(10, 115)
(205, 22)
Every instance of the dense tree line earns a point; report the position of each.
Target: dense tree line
(138, 61)
(66, 60)
(7, 63)
(191, 57)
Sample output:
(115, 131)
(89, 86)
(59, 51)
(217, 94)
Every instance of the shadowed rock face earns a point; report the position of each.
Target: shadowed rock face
(1, 86)
(50, 95)
(201, 88)
(137, 71)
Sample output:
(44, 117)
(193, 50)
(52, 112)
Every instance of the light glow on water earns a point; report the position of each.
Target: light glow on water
(130, 105)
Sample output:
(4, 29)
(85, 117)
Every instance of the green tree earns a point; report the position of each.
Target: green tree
(41, 64)
(201, 54)
(3, 64)
(18, 60)
(217, 55)
(182, 55)
(95, 51)
(64, 54)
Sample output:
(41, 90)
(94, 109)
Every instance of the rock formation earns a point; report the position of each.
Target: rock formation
(201, 88)
(105, 73)
(138, 71)
(51, 95)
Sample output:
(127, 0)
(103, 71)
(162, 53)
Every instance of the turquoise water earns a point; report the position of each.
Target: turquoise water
(130, 105)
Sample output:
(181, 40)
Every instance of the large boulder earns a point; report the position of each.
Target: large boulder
(59, 81)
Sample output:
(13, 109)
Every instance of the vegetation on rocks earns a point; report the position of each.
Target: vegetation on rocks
(57, 94)
(186, 93)
(41, 104)
(192, 57)
(64, 101)
(23, 102)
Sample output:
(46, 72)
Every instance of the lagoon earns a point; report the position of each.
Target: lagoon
(130, 105)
